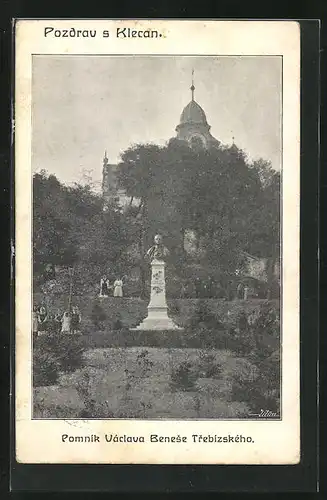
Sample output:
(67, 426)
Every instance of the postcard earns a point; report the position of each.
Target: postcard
(157, 194)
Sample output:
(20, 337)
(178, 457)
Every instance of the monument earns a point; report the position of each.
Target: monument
(157, 318)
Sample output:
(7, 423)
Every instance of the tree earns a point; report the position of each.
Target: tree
(51, 226)
(266, 220)
(229, 204)
(211, 192)
(70, 228)
(264, 170)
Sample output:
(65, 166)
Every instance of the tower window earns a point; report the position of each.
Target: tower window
(197, 142)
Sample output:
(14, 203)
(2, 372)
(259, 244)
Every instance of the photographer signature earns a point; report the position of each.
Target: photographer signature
(264, 414)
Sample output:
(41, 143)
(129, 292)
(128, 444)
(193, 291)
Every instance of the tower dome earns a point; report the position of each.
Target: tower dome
(193, 126)
(193, 113)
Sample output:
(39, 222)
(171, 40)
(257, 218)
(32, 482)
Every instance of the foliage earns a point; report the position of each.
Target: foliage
(229, 204)
(260, 390)
(144, 364)
(183, 377)
(203, 318)
(216, 193)
(53, 411)
(94, 407)
(243, 368)
(46, 367)
(263, 336)
(54, 353)
(208, 366)
(109, 320)
(71, 229)
(98, 316)
(69, 351)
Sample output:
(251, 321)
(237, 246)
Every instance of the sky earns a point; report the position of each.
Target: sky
(84, 105)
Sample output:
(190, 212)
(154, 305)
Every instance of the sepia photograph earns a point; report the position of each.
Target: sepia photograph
(156, 237)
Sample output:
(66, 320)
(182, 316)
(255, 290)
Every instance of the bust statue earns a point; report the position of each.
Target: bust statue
(158, 251)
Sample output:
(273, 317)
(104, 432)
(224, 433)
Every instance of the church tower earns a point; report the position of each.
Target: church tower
(108, 179)
(110, 190)
(193, 126)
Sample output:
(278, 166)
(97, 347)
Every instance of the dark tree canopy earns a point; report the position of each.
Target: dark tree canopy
(228, 203)
(70, 228)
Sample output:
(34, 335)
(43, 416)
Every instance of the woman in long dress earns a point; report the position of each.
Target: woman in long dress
(75, 320)
(65, 323)
(118, 288)
(104, 287)
(42, 320)
(35, 322)
(57, 321)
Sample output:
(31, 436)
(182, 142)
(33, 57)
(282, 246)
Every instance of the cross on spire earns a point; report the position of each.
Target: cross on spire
(192, 86)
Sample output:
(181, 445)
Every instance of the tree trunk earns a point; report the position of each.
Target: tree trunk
(142, 270)
(142, 250)
(71, 274)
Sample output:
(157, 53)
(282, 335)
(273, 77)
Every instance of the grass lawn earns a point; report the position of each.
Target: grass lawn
(151, 383)
(210, 369)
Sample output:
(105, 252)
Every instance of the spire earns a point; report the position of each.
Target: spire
(192, 86)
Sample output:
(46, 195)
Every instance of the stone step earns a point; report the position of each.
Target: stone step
(157, 324)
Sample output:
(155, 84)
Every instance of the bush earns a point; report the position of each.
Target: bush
(70, 352)
(98, 316)
(205, 319)
(53, 353)
(92, 408)
(110, 320)
(259, 342)
(183, 378)
(45, 367)
(208, 367)
(259, 387)
(267, 321)
(212, 332)
(144, 364)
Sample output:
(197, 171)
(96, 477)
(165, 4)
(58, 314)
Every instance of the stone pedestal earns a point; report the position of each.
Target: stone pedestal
(157, 318)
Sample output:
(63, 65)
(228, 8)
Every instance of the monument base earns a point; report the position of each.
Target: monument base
(157, 318)
(157, 322)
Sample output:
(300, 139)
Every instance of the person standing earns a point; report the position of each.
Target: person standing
(42, 319)
(239, 291)
(65, 322)
(75, 320)
(252, 318)
(57, 322)
(198, 287)
(35, 322)
(118, 288)
(104, 287)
